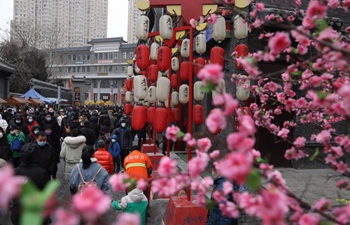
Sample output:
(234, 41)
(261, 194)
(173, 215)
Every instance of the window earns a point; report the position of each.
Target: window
(124, 55)
(78, 69)
(100, 55)
(69, 69)
(110, 69)
(123, 68)
(96, 56)
(88, 69)
(100, 69)
(88, 57)
(110, 55)
(105, 56)
(83, 69)
(114, 68)
(74, 57)
(105, 84)
(116, 55)
(78, 57)
(73, 69)
(95, 69)
(84, 57)
(131, 55)
(69, 57)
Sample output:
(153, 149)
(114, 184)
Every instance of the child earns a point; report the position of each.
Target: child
(114, 149)
(134, 202)
(104, 158)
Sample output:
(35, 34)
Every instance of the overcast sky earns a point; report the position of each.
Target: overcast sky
(117, 17)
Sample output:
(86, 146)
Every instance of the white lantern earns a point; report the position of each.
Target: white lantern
(142, 28)
(175, 98)
(140, 87)
(128, 96)
(242, 93)
(219, 29)
(154, 51)
(130, 71)
(220, 88)
(166, 104)
(185, 48)
(166, 27)
(201, 44)
(137, 69)
(184, 93)
(163, 88)
(198, 94)
(175, 63)
(241, 27)
(152, 94)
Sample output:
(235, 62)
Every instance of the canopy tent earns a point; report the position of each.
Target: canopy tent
(36, 101)
(33, 94)
(16, 101)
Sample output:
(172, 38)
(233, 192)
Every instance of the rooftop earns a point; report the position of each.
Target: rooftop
(4, 66)
(103, 40)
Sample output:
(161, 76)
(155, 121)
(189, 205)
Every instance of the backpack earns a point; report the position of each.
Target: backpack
(83, 184)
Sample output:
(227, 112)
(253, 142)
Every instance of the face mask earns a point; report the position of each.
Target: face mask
(42, 143)
(1, 135)
(18, 121)
(48, 119)
(12, 131)
(113, 140)
(125, 117)
(123, 124)
(48, 132)
(36, 132)
(30, 120)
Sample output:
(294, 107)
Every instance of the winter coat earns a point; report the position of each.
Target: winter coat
(114, 147)
(89, 134)
(134, 202)
(88, 173)
(53, 123)
(124, 137)
(55, 143)
(3, 123)
(5, 150)
(94, 125)
(46, 158)
(12, 137)
(31, 125)
(71, 152)
(215, 216)
(105, 159)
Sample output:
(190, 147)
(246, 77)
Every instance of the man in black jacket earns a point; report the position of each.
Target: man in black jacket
(88, 133)
(29, 169)
(46, 155)
(124, 139)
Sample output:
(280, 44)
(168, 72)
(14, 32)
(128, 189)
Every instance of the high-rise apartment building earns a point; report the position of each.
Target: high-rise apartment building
(62, 23)
(133, 14)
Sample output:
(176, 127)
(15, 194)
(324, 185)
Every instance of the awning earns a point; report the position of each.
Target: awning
(33, 94)
(36, 101)
(16, 101)
(2, 101)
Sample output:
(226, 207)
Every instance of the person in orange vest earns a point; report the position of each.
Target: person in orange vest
(137, 164)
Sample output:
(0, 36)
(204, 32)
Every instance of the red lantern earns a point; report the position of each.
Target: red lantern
(199, 64)
(142, 56)
(139, 116)
(185, 70)
(242, 51)
(153, 73)
(217, 55)
(173, 80)
(198, 114)
(128, 109)
(129, 84)
(145, 73)
(160, 123)
(150, 114)
(176, 114)
(164, 58)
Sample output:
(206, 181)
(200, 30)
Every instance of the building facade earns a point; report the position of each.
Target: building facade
(94, 72)
(133, 14)
(70, 23)
(6, 70)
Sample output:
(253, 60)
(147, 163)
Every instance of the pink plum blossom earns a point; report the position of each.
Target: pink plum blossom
(211, 73)
(128, 219)
(323, 204)
(91, 203)
(167, 167)
(118, 182)
(142, 184)
(309, 219)
(323, 136)
(226, 100)
(172, 133)
(10, 186)
(197, 165)
(283, 133)
(203, 144)
(316, 10)
(216, 120)
(259, 6)
(64, 217)
(279, 42)
(214, 154)
(212, 18)
(300, 142)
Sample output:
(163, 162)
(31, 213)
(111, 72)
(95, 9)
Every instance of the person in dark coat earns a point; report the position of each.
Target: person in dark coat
(50, 120)
(114, 149)
(46, 155)
(89, 134)
(94, 125)
(31, 138)
(106, 132)
(30, 169)
(124, 139)
(54, 141)
(20, 124)
(5, 149)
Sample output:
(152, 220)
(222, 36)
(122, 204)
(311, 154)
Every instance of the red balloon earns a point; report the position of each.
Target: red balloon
(185, 70)
(164, 58)
(139, 116)
(160, 123)
(173, 80)
(128, 109)
(150, 114)
(176, 114)
(199, 64)
(217, 55)
(242, 51)
(142, 56)
(129, 84)
(198, 114)
(153, 73)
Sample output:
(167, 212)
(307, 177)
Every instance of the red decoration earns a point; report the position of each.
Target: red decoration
(142, 56)
(138, 119)
(176, 114)
(160, 123)
(153, 73)
(128, 109)
(129, 84)
(199, 64)
(217, 56)
(198, 114)
(173, 80)
(150, 114)
(242, 51)
(164, 58)
(185, 70)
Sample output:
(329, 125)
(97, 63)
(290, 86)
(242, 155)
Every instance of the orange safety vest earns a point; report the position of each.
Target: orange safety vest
(136, 165)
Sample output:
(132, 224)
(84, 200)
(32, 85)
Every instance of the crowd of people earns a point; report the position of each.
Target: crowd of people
(93, 144)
